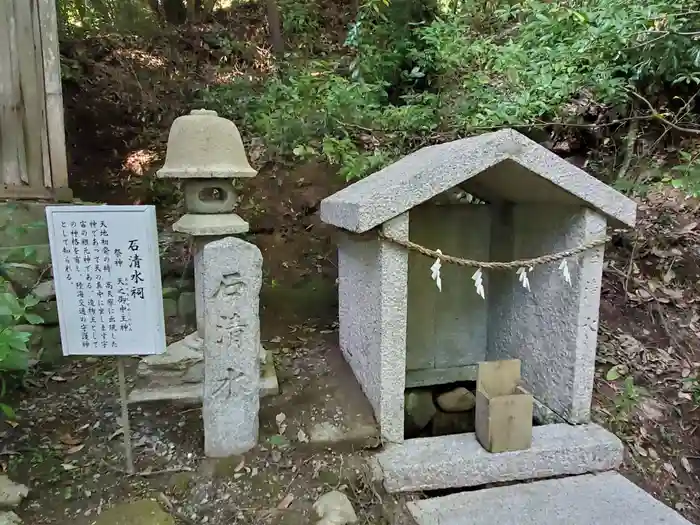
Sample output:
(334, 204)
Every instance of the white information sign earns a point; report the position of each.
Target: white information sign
(106, 268)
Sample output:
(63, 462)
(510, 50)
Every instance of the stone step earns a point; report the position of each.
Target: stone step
(602, 499)
(460, 461)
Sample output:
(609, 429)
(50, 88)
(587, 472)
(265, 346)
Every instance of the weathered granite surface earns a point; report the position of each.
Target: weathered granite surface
(504, 165)
(231, 281)
(460, 461)
(553, 327)
(203, 145)
(372, 286)
(603, 499)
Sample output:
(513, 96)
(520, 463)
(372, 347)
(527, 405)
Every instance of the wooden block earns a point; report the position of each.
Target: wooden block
(503, 414)
(498, 377)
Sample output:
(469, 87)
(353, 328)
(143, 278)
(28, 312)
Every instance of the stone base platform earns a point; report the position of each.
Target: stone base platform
(604, 499)
(457, 461)
(193, 392)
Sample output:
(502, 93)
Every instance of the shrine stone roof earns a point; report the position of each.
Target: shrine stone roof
(503, 166)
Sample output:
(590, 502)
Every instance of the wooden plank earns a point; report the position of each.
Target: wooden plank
(48, 22)
(503, 423)
(498, 378)
(16, 192)
(503, 414)
(12, 156)
(32, 99)
(41, 92)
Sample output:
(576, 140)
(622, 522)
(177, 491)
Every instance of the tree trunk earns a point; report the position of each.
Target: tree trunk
(208, 9)
(191, 11)
(273, 21)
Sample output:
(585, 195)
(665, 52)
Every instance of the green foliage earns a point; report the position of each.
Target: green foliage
(686, 175)
(693, 385)
(626, 401)
(78, 17)
(300, 18)
(15, 312)
(416, 73)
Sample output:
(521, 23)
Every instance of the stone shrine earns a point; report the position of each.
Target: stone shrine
(494, 197)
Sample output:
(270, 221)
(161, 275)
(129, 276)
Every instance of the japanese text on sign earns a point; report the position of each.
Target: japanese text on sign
(107, 275)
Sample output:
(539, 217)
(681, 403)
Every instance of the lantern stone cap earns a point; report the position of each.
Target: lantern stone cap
(204, 145)
(502, 166)
(215, 224)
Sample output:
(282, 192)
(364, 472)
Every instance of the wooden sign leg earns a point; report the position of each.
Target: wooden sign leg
(125, 416)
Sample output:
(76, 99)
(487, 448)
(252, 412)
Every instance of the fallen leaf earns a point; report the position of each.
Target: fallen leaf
(688, 227)
(669, 468)
(69, 466)
(286, 502)
(76, 449)
(13, 424)
(669, 276)
(239, 466)
(116, 433)
(616, 372)
(58, 379)
(69, 440)
(686, 464)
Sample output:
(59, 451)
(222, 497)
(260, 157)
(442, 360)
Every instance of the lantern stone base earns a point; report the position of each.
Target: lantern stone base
(215, 224)
(178, 374)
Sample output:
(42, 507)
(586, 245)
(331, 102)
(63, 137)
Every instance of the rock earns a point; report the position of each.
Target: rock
(45, 291)
(139, 512)
(194, 374)
(23, 278)
(325, 432)
(169, 307)
(186, 306)
(9, 518)
(269, 386)
(170, 292)
(419, 409)
(11, 493)
(51, 350)
(444, 423)
(48, 311)
(458, 400)
(179, 356)
(334, 508)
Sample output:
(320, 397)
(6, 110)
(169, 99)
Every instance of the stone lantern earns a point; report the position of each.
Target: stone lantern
(206, 152)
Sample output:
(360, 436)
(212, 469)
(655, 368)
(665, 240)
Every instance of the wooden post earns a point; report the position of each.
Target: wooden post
(13, 162)
(48, 24)
(32, 93)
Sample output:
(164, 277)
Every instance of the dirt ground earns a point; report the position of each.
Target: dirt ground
(121, 96)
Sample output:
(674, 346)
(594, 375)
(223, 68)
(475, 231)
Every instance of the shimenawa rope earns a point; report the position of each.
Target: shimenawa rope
(495, 265)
